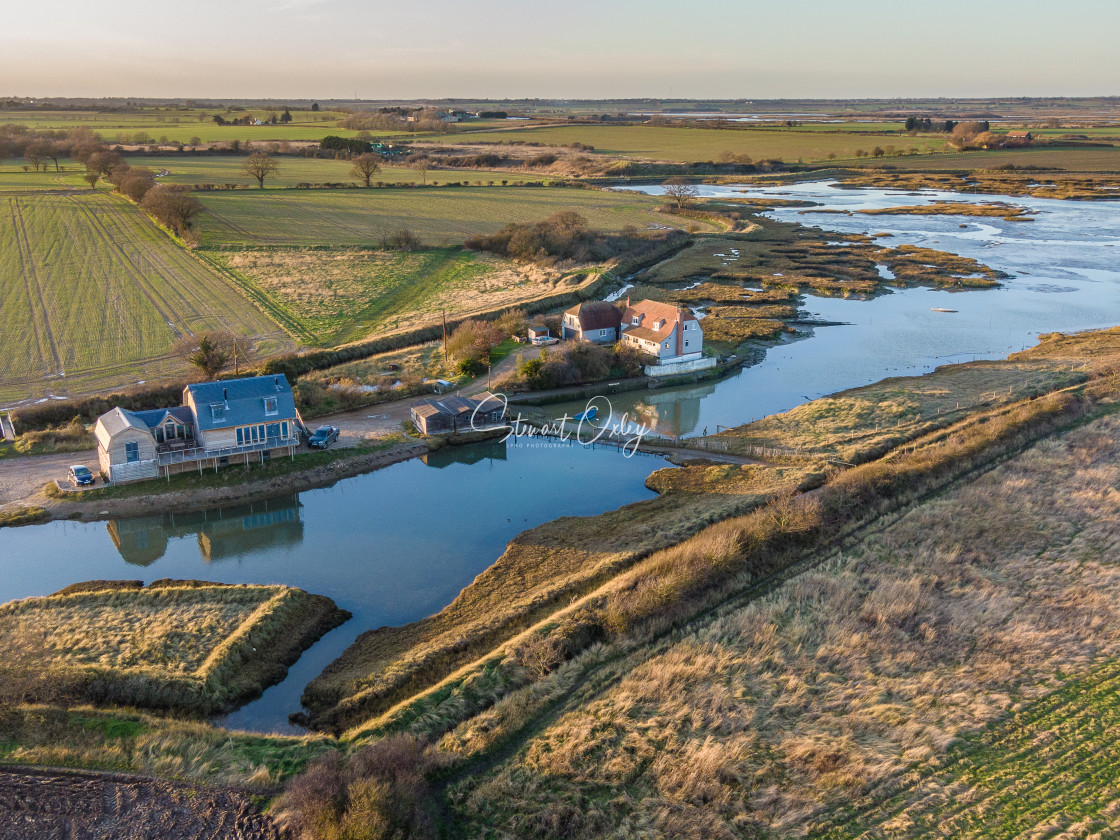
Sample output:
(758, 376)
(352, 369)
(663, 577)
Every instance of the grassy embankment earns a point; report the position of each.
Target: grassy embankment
(384, 667)
(94, 295)
(186, 646)
(834, 704)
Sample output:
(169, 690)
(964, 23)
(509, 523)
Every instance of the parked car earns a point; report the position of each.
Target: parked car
(80, 476)
(323, 437)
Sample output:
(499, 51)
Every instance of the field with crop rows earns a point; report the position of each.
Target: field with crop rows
(436, 215)
(701, 144)
(93, 295)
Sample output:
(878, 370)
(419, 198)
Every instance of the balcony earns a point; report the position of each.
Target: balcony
(173, 453)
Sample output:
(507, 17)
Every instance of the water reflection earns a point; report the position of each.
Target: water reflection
(222, 534)
(475, 453)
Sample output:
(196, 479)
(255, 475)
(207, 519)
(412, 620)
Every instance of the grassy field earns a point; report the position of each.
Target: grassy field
(222, 169)
(437, 215)
(93, 295)
(181, 124)
(190, 647)
(703, 144)
(854, 680)
(345, 294)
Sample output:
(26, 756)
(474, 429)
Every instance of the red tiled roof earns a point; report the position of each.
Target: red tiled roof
(653, 312)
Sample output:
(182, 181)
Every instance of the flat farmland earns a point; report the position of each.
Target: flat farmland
(221, 169)
(330, 296)
(93, 295)
(436, 215)
(701, 144)
(180, 125)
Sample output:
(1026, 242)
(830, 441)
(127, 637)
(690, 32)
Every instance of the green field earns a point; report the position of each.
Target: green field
(702, 144)
(180, 125)
(93, 295)
(437, 215)
(220, 170)
(328, 297)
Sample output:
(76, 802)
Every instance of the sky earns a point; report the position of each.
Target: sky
(372, 49)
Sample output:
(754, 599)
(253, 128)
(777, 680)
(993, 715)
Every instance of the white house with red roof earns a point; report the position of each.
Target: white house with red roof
(671, 333)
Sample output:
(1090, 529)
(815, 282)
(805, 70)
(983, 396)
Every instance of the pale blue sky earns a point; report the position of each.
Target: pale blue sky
(578, 48)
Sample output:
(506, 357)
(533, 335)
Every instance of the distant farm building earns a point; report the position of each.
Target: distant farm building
(1021, 136)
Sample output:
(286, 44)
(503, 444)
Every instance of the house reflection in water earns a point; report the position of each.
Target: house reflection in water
(221, 534)
(674, 413)
(474, 453)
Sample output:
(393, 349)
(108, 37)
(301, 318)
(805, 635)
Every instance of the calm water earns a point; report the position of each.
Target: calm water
(398, 544)
(391, 546)
(1065, 276)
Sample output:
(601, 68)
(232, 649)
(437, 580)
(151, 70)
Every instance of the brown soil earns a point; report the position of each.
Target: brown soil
(50, 804)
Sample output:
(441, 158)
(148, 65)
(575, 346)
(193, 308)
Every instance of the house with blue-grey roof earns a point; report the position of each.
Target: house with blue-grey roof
(232, 421)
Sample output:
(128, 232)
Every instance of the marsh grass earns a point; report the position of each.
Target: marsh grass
(762, 717)
(198, 648)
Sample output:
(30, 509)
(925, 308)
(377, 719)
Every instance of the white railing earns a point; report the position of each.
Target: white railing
(133, 470)
(197, 453)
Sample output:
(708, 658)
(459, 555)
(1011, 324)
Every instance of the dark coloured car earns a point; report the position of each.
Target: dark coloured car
(80, 476)
(323, 437)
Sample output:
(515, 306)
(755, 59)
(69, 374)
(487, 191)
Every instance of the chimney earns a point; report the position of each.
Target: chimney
(225, 395)
(680, 330)
(628, 301)
(276, 382)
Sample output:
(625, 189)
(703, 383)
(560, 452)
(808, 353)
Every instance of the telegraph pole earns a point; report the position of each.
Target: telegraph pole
(445, 336)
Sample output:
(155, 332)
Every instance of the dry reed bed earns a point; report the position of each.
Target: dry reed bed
(196, 648)
(758, 720)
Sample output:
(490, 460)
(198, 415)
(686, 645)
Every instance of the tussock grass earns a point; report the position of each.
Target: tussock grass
(541, 569)
(140, 742)
(198, 648)
(828, 689)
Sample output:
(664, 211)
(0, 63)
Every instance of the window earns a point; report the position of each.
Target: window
(218, 411)
(270, 406)
(666, 345)
(240, 436)
(132, 452)
(636, 320)
(284, 429)
(686, 342)
(274, 430)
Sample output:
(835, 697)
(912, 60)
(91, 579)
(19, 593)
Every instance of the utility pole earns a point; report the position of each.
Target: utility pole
(445, 336)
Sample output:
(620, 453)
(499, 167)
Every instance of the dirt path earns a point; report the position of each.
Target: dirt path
(22, 477)
(50, 804)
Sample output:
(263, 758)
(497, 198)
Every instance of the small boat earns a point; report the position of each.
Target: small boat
(940, 309)
(586, 415)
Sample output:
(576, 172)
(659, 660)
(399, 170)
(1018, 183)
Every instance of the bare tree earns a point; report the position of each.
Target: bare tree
(91, 177)
(680, 190)
(173, 206)
(35, 152)
(365, 167)
(422, 164)
(260, 166)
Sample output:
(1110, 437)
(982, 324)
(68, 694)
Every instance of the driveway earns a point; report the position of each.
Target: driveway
(23, 476)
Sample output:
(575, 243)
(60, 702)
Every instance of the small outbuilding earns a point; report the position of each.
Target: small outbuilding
(455, 415)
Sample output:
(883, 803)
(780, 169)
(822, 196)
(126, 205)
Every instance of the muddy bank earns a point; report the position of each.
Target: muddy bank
(206, 498)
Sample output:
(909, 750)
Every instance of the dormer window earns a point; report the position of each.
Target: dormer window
(217, 411)
(658, 324)
(636, 320)
(271, 406)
